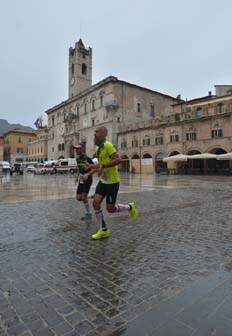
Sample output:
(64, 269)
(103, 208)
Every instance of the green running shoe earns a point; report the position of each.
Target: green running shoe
(101, 234)
(133, 211)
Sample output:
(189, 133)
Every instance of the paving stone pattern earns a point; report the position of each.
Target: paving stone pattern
(54, 280)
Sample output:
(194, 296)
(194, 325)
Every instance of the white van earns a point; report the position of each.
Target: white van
(5, 166)
(65, 165)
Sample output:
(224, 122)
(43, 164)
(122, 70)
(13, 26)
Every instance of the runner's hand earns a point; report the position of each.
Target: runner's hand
(100, 171)
(88, 165)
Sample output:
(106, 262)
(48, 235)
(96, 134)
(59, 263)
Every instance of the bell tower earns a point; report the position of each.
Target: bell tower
(80, 68)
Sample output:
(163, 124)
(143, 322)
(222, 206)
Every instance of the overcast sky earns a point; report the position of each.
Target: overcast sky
(171, 46)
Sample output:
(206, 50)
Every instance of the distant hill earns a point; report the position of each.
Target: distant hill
(5, 127)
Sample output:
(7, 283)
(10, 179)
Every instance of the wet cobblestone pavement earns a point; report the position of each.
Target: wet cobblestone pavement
(54, 280)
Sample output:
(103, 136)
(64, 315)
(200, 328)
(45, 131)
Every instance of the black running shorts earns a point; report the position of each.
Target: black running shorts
(110, 191)
(84, 187)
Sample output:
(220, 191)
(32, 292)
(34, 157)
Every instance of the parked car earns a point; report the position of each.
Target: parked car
(16, 168)
(30, 169)
(39, 169)
(5, 166)
(65, 165)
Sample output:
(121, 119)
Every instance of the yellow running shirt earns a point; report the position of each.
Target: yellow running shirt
(104, 152)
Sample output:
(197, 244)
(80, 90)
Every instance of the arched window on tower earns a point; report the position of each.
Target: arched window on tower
(72, 68)
(84, 69)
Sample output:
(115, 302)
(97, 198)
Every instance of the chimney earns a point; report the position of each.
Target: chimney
(210, 93)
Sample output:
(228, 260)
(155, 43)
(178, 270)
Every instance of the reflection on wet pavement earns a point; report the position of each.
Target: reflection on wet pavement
(54, 280)
(30, 187)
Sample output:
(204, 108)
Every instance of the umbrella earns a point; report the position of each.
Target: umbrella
(227, 156)
(203, 156)
(178, 157)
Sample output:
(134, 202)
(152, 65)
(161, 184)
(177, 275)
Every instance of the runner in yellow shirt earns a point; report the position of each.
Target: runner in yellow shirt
(108, 185)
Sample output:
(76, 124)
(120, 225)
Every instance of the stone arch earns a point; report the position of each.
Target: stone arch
(135, 163)
(193, 151)
(125, 164)
(217, 150)
(147, 156)
(218, 167)
(135, 156)
(174, 152)
(159, 165)
(194, 166)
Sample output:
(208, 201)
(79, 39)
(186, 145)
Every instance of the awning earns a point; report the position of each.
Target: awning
(202, 156)
(227, 156)
(178, 157)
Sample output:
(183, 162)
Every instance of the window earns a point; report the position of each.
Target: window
(134, 142)
(84, 69)
(221, 108)
(217, 133)
(85, 108)
(152, 110)
(138, 107)
(62, 147)
(59, 147)
(146, 141)
(29, 140)
(210, 111)
(93, 104)
(174, 137)
(20, 150)
(101, 101)
(53, 120)
(199, 112)
(93, 122)
(123, 144)
(72, 69)
(52, 149)
(159, 140)
(191, 136)
(19, 139)
(78, 111)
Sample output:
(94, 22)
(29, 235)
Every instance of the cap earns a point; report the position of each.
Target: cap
(78, 146)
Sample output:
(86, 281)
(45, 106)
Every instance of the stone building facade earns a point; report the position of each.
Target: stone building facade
(201, 125)
(38, 149)
(110, 102)
(15, 145)
(1, 147)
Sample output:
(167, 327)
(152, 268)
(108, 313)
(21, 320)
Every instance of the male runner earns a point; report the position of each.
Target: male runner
(84, 179)
(108, 184)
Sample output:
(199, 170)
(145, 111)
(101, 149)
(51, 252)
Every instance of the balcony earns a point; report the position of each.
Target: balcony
(111, 104)
(70, 116)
